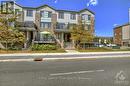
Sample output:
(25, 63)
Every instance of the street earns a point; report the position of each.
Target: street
(83, 72)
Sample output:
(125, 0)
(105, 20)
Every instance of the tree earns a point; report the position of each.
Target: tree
(54, 23)
(80, 35)
(9, 34)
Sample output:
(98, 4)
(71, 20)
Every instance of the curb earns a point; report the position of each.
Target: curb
(70, 58)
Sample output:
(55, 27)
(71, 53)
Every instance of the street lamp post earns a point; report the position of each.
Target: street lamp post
(129, 16)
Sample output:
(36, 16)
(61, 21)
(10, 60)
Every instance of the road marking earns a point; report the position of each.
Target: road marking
(78, 72)
(99, 70)
(15, 60)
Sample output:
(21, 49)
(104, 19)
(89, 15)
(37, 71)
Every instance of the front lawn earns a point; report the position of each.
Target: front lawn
(30, 51)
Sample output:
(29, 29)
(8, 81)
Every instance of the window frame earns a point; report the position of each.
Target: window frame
(28, 11)
(49, 14)
(61, 15)
(44, 24)
(73, 16)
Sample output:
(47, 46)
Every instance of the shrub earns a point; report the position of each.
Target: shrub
(43, 47)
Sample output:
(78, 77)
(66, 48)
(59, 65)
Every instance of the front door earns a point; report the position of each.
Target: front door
(67, 37)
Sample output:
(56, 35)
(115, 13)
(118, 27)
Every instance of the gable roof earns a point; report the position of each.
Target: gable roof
(122, 25)
(35, 4)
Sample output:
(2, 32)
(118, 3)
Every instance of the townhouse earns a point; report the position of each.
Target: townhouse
(122, 35)
(38, 21)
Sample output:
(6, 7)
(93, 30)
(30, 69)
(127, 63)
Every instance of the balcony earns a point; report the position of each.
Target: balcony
(63, 28)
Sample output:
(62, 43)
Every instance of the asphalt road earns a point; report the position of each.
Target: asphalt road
(89, 72)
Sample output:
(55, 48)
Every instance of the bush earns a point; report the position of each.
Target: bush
(43, 47)
(14, 48)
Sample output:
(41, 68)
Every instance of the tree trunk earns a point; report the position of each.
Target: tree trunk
(1, 46)
(73, 43)
(6, 45)
(58, 41)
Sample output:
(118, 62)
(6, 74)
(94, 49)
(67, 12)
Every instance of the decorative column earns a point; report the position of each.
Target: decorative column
(62, 38)
(34, 37)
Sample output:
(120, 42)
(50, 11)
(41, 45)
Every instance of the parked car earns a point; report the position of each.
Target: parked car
(111, 45)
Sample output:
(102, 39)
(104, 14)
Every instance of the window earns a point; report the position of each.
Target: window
(89, 17)
(49, 14)
(83, 16)
(73, 16)
(30, 13)
(86, 17)
(16, 11)
(46, 25)
(60, 25)
(42, 13)
(46, 14)
(61, 15)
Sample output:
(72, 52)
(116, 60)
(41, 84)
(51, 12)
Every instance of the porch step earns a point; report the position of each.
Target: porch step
(69, 46)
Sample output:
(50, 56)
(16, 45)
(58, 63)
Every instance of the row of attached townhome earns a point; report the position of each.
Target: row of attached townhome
(122, 35)
(36, 21)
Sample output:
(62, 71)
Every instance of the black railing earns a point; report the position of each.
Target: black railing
(44, 40)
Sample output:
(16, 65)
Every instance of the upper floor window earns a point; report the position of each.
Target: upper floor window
(61, 15)
(30, 13)
(16, 11)
(89, 17)
(49, 14)
(46, 25)
(73, 16)
(46, 14)
(86, 17)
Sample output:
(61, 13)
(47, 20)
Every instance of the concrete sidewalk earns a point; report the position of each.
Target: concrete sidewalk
(61, 56)
(52, 54)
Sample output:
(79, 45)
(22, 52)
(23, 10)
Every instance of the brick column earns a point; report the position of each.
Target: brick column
(54, 21)
(92, 25)
(37, 20)
(79, 19)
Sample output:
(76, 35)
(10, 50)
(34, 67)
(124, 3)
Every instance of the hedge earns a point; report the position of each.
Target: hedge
(43, 47)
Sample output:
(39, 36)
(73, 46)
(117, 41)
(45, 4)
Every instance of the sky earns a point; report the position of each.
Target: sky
(108, 13)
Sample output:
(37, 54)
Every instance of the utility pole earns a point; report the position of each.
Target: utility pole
(129, 16)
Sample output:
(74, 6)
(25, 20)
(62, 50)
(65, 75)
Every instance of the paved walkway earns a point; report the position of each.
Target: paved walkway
(72, 51)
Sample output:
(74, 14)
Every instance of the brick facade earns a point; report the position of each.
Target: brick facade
(118, 35)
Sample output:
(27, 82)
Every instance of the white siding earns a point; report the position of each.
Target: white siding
(46, 8)
(67, 18)
(17, 7)
(26, 18)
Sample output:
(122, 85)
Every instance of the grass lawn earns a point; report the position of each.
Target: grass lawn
(29, 51)
(102, 50)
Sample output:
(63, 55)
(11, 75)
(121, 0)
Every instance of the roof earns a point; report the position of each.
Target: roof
(121, 25)
(34, 4)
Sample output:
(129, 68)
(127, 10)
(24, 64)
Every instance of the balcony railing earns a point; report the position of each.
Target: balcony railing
(44, 40)
(63, 29)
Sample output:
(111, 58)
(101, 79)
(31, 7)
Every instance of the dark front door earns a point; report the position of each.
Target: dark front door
(67, 37)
